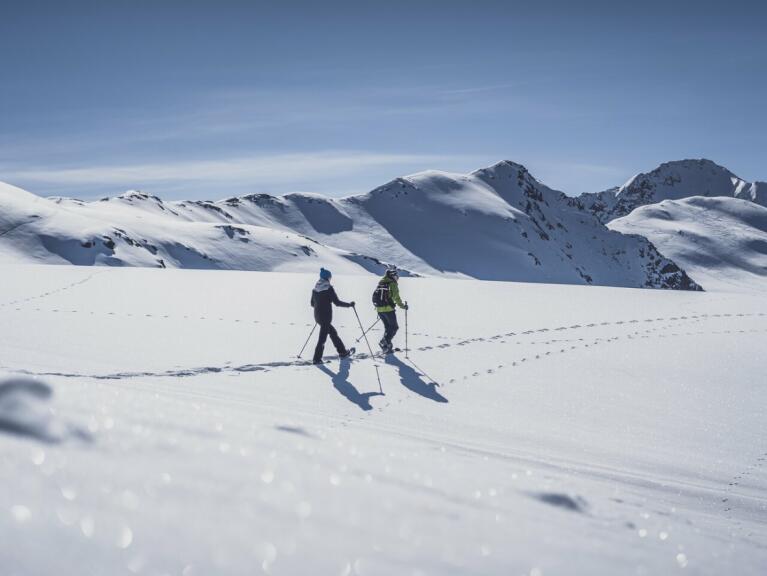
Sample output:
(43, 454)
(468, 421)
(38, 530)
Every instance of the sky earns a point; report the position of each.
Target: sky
(193, 99)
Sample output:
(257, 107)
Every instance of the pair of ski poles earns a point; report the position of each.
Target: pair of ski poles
(407, 348)
(364, 334)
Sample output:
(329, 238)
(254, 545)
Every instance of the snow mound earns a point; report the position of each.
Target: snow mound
(564, 501)
(25, 411)
(720, 242)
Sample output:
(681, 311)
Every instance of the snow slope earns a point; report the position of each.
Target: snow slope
(500, 223)
(721, 242)
(575, 430)
(671, 181)
(137, 229)
(497, 223)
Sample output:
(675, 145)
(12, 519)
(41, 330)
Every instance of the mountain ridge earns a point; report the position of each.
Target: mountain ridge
(496, 223)
(671, 181)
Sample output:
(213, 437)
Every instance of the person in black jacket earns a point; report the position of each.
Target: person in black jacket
(323, 298)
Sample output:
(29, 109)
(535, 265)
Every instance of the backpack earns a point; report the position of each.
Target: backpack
(382, 295)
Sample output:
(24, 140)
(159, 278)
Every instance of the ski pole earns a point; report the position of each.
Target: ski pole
(407, 350)
(372, 356)
(368, 330)
(307, 340)
(433, 381)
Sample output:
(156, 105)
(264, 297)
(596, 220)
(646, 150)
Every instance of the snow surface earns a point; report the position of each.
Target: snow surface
(168, 429)
(721, 242)
(498, 223)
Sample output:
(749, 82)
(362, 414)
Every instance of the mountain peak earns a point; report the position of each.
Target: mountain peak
(692, 165)
(504, 168)
(508, 164)
(669, 181)
(131, 195)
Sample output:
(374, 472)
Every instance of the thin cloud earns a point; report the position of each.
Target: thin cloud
(275, 170)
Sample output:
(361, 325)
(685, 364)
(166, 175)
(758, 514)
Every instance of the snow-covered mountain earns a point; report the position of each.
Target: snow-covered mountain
(498, 223)
(709, 221)
(672, 181)
(720, 242)
(137, 229)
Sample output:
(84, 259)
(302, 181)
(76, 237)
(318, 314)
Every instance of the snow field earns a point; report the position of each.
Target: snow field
(574, 429)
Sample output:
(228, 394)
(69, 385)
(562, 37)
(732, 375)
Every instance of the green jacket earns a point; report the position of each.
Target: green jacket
(393, 292)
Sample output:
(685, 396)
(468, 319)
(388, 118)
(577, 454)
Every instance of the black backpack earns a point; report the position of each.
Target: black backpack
(382, 295)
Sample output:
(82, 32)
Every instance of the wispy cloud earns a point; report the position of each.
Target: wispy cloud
(227, 118)
(306, 171)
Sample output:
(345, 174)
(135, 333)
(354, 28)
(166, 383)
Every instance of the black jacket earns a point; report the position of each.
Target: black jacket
(323, 298)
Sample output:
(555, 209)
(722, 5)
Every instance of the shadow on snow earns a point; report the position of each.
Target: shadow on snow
(412, 380)
(346, 388)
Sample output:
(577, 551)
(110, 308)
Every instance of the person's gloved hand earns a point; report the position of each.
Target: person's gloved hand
(352, 304)
(405, 306)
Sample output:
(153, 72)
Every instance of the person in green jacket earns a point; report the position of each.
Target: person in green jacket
(386, 298)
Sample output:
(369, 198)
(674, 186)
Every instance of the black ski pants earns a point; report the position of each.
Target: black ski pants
(389, 320)
(327, 329)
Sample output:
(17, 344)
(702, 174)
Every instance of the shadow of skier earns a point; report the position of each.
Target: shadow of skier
(345, 388)
(412, 380)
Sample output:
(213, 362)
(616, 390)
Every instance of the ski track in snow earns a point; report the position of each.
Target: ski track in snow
(567, 345)
(49, 292)
(581, 468)
(459, 341)
(360, 417)
(561, 346)
(729, 496)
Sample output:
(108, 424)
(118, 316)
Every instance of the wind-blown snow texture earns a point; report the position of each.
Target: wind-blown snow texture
(574, 430)
(497, 223)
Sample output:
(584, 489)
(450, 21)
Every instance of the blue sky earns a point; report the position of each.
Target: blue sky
(210, 99)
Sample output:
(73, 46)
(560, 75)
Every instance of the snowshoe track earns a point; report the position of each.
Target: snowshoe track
(267, 366)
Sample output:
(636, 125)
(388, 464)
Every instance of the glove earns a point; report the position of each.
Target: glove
(405, 306)
(352, 304)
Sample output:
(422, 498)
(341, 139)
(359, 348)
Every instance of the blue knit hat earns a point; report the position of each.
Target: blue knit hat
(325, 274)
